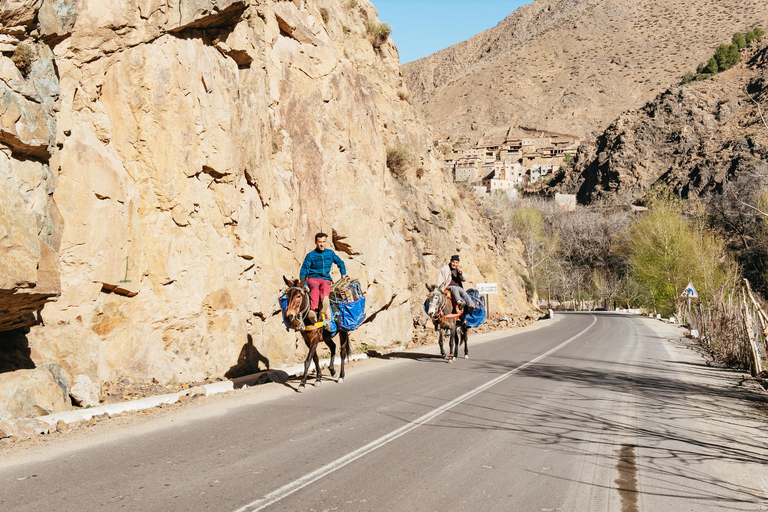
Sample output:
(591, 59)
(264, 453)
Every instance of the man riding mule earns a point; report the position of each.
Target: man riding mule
(296, 309)
(451, 278)
(316, 273)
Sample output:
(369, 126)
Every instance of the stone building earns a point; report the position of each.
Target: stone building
(511, 158)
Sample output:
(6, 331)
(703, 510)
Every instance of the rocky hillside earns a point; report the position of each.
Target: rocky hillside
(572, 66)
(163, 163)
(692, 137)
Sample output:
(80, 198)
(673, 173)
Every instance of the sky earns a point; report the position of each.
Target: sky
(422, 27)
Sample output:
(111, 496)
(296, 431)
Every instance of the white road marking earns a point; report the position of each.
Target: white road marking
(339, 463)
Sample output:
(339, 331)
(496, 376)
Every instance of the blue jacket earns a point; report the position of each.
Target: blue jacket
(318, 265)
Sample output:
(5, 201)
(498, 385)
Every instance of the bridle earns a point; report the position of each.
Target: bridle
(302, 314)
(439, 308)
(439, 315)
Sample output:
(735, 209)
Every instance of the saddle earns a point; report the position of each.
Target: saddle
(456, 309)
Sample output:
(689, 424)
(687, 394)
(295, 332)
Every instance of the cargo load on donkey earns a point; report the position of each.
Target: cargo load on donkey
(477, 316)
(347, 306)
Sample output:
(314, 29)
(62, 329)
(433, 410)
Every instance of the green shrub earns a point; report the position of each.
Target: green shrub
(739, 40)
(378, 33)
(711, 67)
(689, 77)
(399, 158)
(727, 56)
(754, 35)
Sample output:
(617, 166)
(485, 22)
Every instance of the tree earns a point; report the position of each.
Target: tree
(739, 40)
(688, 78)
(711, 67)
(528, 225)
(667, 250)
(727, 56)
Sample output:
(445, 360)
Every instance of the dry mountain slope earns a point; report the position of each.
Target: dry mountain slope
(693, 138)
(572, 65)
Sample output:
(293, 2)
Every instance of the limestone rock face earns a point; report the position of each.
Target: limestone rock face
(199, 145)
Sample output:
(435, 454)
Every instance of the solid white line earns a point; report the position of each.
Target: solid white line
(316, 475)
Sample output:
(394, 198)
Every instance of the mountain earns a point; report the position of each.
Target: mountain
(572, 66)
(692, 137)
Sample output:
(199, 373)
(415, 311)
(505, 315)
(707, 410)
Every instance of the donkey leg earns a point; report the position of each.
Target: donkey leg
(318, 373)
(452, 344)
(465, 335)
(440, 342)
(306, 368)
(332, 347)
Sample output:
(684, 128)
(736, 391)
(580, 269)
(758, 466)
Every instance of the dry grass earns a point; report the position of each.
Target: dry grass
(399, 159)
(377, 33)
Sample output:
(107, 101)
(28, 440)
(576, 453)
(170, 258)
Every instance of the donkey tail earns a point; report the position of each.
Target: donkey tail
(348, 344)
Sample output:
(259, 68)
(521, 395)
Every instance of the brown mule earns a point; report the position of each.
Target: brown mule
(296, 313)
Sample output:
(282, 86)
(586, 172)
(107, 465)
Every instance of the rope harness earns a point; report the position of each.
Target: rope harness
(439, 316)
(302, 315)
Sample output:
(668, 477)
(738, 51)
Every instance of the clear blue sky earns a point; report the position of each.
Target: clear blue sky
(422, 27)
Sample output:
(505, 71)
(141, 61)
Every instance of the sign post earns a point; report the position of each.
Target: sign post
(690, 293)
(487, 289)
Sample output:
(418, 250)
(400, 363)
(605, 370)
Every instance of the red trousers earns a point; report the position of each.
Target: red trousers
(318, 288)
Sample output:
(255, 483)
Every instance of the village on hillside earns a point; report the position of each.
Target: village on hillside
(507, 160)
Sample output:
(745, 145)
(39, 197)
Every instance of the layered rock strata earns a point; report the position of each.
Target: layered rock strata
(190, 150)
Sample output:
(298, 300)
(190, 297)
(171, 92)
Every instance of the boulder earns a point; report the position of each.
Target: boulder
(84, 391)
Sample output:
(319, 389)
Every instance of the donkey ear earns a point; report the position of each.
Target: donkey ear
(303, 282)
(287, 282)
(430, 287)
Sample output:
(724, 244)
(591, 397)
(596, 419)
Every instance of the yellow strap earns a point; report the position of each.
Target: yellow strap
(318, 325)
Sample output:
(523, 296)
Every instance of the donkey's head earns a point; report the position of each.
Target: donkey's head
(435, 301)
(298, 301)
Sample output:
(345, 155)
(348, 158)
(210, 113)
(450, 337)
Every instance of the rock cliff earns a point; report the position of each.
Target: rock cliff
(692, 137)
(163, 163)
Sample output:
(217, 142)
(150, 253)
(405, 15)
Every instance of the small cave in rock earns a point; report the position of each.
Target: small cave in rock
(14, 351)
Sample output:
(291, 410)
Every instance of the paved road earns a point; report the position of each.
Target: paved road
(589, 412)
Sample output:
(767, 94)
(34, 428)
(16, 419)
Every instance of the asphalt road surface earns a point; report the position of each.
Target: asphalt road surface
(602, 412)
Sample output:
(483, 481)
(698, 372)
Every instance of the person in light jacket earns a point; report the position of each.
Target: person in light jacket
(451, 278)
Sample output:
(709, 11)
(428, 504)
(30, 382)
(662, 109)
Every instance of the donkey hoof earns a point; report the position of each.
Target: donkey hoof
(341, 380)
(317, 383)
(300, 389)
(466, 356)
(333, 373)
(445, 356)
(450, 359)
